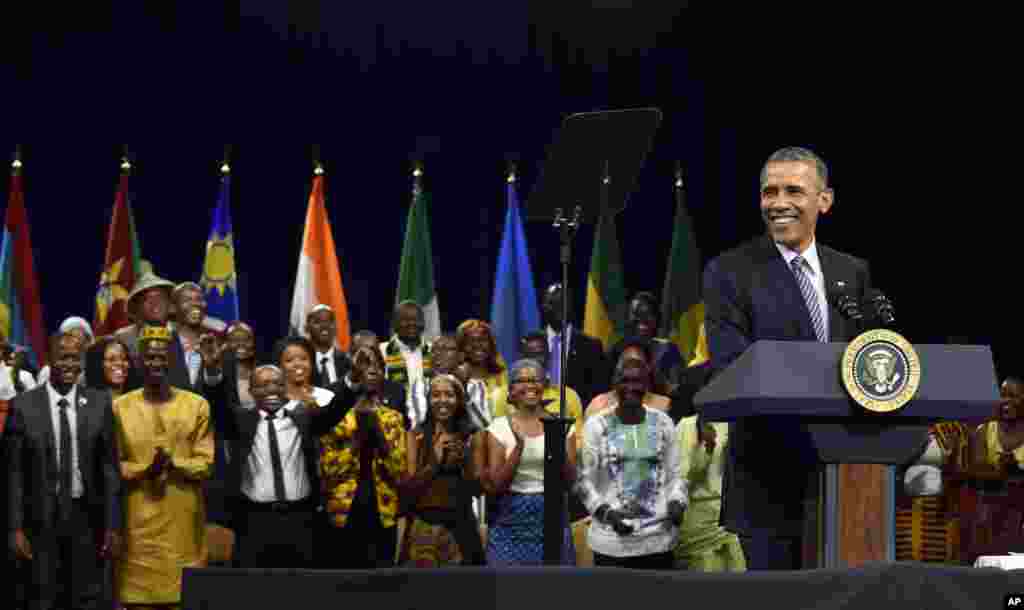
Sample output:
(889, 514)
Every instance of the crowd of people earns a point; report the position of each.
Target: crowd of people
(168, 446)
(186, 448)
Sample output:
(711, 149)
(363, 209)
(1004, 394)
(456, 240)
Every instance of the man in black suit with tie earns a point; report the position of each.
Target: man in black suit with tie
(63, 487)
(775, 287)
(274, 480)
(589, 372)
(331, 364)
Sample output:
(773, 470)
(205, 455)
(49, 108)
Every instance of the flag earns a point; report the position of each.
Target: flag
(219, 278)
(318, 277)
(682, 312)
(21, 311)
(605, 313)
(416, 271)
(121, 267)
(514, 309)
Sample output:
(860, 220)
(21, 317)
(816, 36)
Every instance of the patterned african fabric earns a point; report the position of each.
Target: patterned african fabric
(635, 469)
(515, 536)
(339, 466)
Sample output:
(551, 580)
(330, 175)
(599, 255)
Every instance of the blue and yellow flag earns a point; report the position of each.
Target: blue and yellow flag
(219, 274)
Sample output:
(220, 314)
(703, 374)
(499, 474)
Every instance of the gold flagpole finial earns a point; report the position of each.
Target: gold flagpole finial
(417, 169)
(126, 160)
(16, 163)
(318, 164)
(679, 175)
(225, 164)
(511, 172)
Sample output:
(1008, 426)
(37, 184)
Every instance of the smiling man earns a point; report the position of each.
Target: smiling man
(774, 287)
(166, 441)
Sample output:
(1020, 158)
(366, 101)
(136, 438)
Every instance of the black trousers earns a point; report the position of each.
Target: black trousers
(772, 553)
(65, 572)
(279, 535)
(363, 543)
(657, 561)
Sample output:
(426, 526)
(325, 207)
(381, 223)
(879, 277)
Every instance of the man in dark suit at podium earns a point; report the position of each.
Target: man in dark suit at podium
(777, 287)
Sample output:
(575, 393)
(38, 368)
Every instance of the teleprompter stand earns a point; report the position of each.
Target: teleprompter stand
(590, 150)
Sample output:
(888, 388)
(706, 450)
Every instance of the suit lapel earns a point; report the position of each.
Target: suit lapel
(44, 419)
(781, 278)
(84, 421)
(839, 275)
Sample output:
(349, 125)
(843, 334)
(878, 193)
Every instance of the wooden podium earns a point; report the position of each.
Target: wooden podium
(856, 449)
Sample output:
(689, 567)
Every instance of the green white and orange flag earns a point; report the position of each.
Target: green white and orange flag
(318, 277)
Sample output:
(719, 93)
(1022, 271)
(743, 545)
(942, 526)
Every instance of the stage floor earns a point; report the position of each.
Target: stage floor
(873, 587)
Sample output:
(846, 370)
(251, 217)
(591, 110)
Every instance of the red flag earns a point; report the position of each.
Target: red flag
(21, 311)
(121, 266)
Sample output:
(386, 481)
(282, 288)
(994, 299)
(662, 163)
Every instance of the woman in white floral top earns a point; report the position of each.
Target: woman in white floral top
(630, 479)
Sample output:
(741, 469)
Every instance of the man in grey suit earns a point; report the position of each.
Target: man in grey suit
(63, 487)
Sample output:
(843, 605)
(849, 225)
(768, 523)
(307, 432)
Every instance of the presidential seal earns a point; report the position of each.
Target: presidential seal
(881, 371)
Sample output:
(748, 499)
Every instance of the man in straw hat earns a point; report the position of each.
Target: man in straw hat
(150, 304)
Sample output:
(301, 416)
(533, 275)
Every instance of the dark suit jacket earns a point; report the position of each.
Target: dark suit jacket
(33, 471)
(393, 393)
(238, 427)
(750, 294)
(589, 373)
(342, 365)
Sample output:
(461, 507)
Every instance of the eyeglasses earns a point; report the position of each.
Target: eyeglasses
(530, 380)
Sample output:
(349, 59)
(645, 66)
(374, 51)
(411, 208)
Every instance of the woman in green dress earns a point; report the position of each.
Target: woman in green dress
(704, 545)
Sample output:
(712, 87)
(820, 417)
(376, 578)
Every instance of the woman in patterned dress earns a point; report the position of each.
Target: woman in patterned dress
(442, 482)
(515, 446)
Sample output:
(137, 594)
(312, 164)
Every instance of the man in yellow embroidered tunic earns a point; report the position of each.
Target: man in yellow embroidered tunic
(166, 441)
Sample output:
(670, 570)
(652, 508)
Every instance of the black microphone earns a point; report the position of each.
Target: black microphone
(842, 300)
(882, 306)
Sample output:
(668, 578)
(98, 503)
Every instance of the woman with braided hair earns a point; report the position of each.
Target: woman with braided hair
(443, 479)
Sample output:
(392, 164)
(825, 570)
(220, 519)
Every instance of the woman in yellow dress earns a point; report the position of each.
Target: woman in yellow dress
(166, 446)
(997, 456)
(477, 342)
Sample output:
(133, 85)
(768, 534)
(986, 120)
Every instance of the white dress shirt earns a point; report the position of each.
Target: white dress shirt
(258, 479)
(552, 333)
(77, 485)
(325, 360)
(7, 391)
(817, 277)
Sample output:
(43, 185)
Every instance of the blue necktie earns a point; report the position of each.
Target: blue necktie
(555, 360)
(811, 296)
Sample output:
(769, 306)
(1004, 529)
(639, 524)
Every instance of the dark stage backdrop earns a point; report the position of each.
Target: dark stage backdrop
(465, 87)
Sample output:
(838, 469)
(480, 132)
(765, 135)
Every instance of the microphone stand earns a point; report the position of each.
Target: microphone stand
(556, 427)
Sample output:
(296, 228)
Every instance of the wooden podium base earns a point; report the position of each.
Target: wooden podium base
(857, 515)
